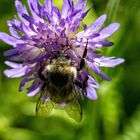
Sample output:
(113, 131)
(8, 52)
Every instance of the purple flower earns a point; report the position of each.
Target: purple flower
(38, 36)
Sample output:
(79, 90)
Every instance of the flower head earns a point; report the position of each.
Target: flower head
(37, 37)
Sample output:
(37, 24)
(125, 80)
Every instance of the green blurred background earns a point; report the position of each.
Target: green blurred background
(116, 113)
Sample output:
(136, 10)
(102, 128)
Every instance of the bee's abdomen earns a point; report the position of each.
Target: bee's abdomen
(59, 79)
(60, 87)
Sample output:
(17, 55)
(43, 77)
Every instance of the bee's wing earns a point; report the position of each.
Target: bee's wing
(43, 107)
(74, 110)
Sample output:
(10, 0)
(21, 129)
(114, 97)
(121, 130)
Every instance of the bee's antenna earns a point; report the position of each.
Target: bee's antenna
(68, 47)
(41, 76)
(82, 62)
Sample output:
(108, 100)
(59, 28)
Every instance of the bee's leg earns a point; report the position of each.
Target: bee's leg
(38, 103)
(41, 76)
(78, 95)
(82, 62)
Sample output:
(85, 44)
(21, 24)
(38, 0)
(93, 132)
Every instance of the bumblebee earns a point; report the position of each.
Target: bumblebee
(58, 91)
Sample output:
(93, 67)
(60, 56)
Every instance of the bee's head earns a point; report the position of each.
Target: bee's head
(60, 59)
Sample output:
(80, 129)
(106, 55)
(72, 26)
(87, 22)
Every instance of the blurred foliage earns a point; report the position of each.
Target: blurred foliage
(116, 113)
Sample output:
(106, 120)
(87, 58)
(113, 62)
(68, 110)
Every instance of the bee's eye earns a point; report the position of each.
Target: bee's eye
(67, 57)
(57, 54)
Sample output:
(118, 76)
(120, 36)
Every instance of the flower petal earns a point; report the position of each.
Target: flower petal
(35, 11)
(23, 83)
(92, 82)
(13, 65)
(14, 32)
(108, 31)
(91, 93)
(80, 4)
(94, 27)
(68, 7)
(34, 92)
(108, 61)
(48, 6)
(97, 24)
(35, 87)
(9, 39)
(21, 10)
(95, 68)
(16, 72)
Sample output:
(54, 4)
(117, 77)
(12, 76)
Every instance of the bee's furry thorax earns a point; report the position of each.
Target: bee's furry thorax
(63, 65)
